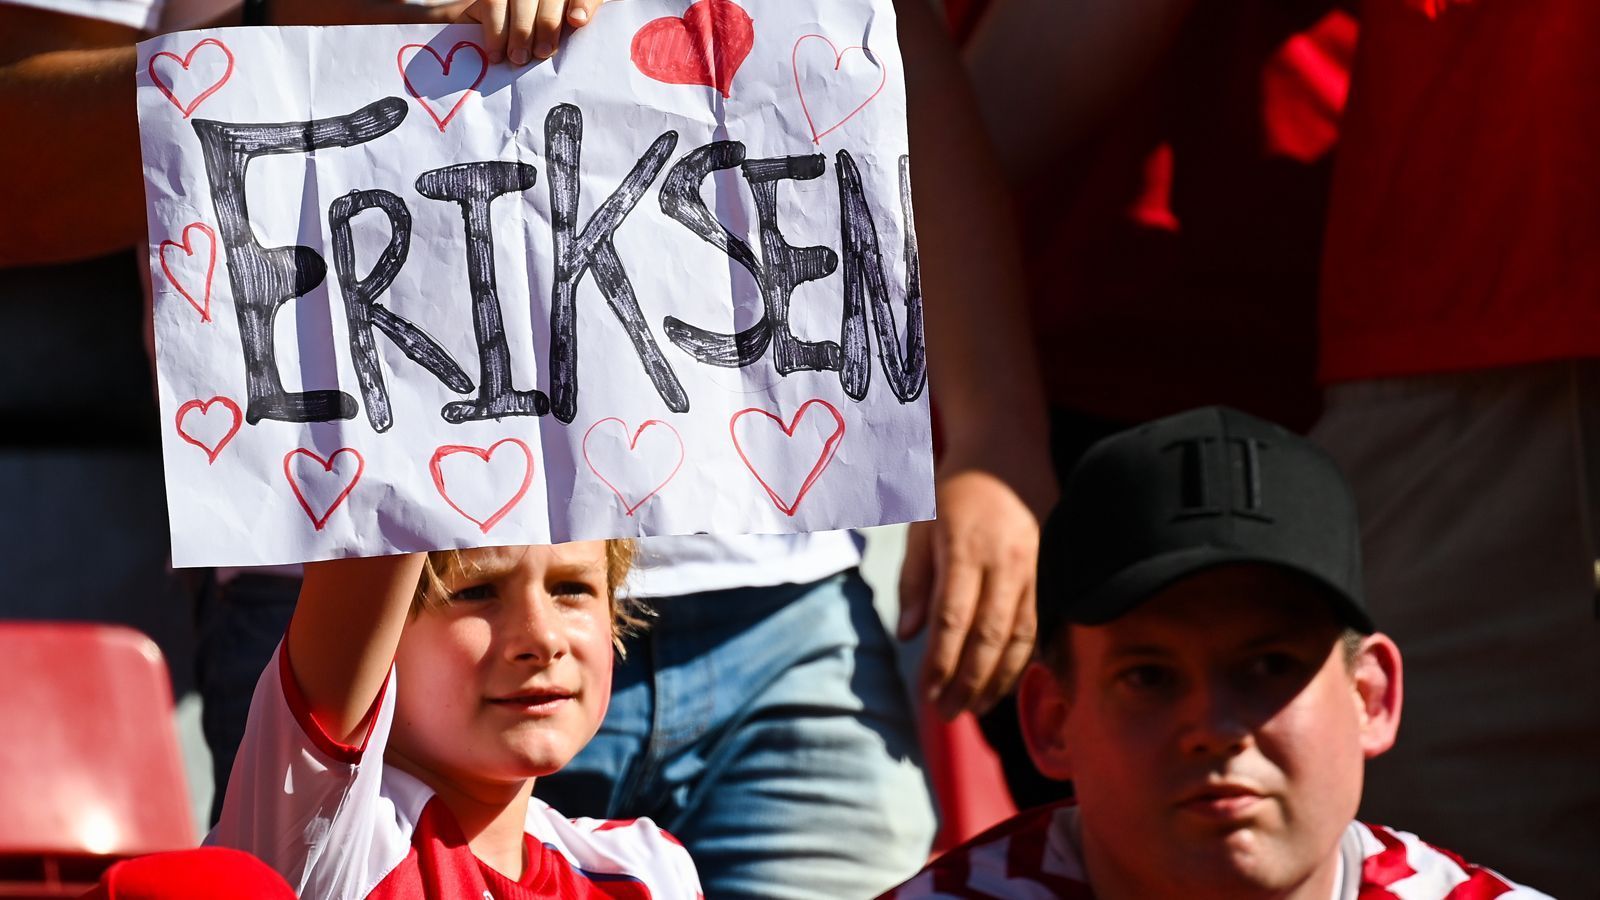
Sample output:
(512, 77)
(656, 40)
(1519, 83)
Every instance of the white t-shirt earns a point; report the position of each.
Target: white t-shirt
(1036, 855)
(145, 15)
(339, 824)
(671, 566)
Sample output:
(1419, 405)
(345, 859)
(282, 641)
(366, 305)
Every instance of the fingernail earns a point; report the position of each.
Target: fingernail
(579, 16)
(518, 56)
(543, 51)
(496, 56)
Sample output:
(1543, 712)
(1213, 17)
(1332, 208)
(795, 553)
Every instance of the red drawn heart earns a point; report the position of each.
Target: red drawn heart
(205, 408)
(838, 61)
(829, 448)
(633, 445)
(435, 466)
(184, 61)
(705, 47)
(327, 467)
(203, 305)
(444, 72)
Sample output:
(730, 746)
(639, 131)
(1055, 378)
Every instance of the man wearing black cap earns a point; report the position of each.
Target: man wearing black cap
(1211, 682)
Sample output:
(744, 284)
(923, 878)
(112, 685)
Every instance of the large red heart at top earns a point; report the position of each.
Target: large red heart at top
(706, 46)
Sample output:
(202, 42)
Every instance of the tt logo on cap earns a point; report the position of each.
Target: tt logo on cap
(1210, 476)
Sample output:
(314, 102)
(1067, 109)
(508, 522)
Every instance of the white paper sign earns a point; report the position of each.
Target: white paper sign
(663, 283)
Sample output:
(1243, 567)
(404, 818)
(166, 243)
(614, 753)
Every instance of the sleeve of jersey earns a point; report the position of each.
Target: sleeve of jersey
(308, 805)
(609, 850)
(1400, 864)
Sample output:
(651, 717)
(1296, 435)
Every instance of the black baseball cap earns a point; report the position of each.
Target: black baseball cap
(1209, 487)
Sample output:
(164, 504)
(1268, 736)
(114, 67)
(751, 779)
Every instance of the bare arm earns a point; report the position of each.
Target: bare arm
(1049, 70)
(969, 575)
(344, 633)
(73, 188)
(72, 157)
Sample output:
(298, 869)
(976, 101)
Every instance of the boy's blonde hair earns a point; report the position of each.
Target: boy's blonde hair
(628, 614)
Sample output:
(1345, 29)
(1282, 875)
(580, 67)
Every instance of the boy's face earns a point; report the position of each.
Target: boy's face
(1215, 735)
(511, 678)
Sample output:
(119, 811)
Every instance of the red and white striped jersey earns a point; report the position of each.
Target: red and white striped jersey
(338, 824)
(1035, 855)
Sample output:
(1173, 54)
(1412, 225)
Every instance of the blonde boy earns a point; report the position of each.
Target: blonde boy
(394, 740)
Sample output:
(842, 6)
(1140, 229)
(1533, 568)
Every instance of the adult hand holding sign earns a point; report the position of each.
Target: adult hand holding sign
(968, 576)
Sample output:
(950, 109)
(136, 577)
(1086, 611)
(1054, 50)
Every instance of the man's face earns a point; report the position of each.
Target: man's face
(512, 677)
(1215, 735)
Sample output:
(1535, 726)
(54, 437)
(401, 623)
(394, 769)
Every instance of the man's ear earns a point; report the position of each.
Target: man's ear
(1379, 692)
(1043, 703)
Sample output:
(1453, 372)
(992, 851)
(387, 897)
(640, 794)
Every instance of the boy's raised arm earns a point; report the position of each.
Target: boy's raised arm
(344, 633)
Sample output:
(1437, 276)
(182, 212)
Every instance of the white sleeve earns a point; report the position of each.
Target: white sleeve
(1426, 872)
(311, 807)
(636, 849)
(140, 14)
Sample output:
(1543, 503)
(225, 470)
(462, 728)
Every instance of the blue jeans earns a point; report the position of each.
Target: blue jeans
(768, 729)
(241, 623)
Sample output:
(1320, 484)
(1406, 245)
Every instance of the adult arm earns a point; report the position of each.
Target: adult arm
(969, 574)
(362, 12)
(70, 183)
(72, 158)
(344, 633)
(1049, 71)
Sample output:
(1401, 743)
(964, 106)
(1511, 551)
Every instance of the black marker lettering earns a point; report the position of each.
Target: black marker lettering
(682, 201)
(864, 281)
(594, 250)
(474, 186)
(786, 267)
(265, 278)
(362, 309)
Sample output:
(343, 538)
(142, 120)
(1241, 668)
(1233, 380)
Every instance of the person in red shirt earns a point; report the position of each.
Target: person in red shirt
(1460, 325)
(1171, 163)
(1210, 679)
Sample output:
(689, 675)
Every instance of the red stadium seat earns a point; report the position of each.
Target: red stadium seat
(968, 782)
(191, 875)
(90, 770)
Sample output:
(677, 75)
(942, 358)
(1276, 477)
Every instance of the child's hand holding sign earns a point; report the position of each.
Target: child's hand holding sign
(526, 29)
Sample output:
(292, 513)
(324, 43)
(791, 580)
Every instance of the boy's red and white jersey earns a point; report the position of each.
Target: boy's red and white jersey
(338, 824)
(1035, 856)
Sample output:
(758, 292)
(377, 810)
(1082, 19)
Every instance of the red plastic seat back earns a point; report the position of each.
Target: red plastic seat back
(968, 782)
(89, 759)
